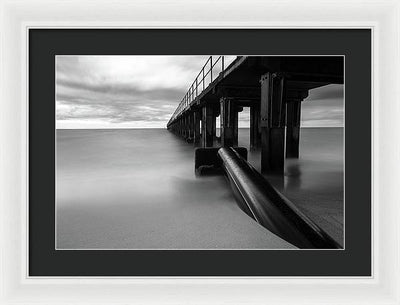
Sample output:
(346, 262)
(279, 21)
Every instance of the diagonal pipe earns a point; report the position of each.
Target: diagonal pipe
(270, 208)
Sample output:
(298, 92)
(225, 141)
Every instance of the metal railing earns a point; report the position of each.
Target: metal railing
(211, 68)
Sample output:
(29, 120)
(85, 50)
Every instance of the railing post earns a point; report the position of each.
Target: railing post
(204, 86)
(211, 67)
(177, 120)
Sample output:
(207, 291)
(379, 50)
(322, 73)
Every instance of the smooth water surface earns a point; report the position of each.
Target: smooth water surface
(136, 189)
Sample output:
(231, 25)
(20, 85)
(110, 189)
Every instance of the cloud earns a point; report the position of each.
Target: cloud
(78, 92)
(119, 90)
(144, 91)
(324, 107)
(328, 93)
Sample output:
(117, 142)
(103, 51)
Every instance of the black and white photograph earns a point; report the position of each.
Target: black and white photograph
(199, 152)
(156, 152)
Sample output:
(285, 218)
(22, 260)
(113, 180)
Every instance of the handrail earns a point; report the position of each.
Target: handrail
(198, 85)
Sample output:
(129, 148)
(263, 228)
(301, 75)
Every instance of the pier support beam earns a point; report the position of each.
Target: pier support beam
(255, 134)
(182, 127)
(272, 113)
(236, 125)
(229, 123)
(208, 126)
(185, 127)
(293, 110)
(189, 127)
(196, 127)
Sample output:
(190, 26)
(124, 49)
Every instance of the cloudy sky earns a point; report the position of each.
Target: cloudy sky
(143, 92)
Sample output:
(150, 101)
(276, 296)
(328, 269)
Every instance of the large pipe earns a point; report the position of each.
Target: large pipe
(269, 208)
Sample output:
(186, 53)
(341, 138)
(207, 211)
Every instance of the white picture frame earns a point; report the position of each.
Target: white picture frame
(383, 17)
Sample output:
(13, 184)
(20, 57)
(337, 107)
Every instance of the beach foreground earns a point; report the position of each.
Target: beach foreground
(136, 189)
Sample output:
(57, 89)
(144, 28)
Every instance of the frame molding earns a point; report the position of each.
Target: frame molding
(383, 17)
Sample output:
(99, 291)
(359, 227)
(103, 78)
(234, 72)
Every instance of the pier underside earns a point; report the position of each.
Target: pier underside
(272, 87)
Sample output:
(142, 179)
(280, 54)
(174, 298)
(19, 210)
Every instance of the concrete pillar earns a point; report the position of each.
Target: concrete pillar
(196, 127)
(181, 127)
(255, 135)
(214, 122)
(236, 125)
(293, 110)
(207, 126)
(185, 127)
(272, 113)
(229, 123)
(190, 117)
(189, 126)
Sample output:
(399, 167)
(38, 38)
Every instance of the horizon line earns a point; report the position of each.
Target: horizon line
(118, 128)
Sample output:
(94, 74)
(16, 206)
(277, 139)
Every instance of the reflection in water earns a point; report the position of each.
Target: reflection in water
(315, 181)
(292, 174)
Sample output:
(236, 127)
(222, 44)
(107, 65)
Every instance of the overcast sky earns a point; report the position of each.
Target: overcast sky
(143, 92)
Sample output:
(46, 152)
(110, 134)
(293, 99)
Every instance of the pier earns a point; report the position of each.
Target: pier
(273, 87)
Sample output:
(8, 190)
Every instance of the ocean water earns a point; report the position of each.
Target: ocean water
(315, 181)
(136, 189)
